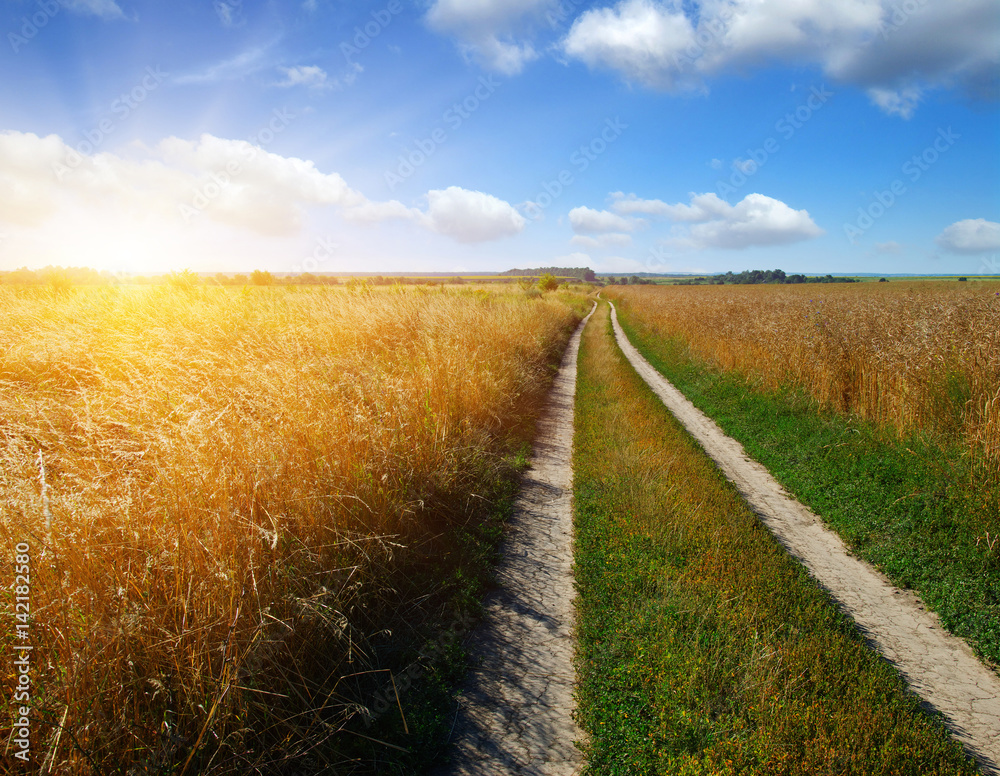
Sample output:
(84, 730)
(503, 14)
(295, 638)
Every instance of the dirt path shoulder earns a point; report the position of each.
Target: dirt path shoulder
(939, 667)
(515, 715)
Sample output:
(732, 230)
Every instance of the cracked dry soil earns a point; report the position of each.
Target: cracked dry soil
(515, 715)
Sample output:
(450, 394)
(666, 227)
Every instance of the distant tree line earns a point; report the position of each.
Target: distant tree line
(583, 273)
(625, 280)
(755, 277)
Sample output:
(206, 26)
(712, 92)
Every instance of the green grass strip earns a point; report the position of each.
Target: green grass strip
(703, 647)
(910, 506)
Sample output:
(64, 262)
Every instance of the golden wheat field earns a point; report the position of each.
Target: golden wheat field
(223, 491)
(913, 356)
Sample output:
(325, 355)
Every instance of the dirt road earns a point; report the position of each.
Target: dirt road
(939, 667)
(515, 716)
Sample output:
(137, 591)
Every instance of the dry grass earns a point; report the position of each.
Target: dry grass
(912, 356)
(237, 482)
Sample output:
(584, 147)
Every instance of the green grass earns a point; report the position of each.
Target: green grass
(703, 647)
(911, 506)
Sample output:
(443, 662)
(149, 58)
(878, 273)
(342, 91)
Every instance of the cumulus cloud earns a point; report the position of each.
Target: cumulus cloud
(586, 220)
(891, 248)
(940, 42)
(706, 221)
(710, 222)
(973, 235)
(893, 51)
(471, 216)
(27, 194)
(495, 33)
(234, 183)
(261, 191)
(643, 40)
(703, 207)
(756, 220)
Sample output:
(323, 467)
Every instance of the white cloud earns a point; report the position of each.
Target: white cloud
(883, 46)
(488, 30)
(375, 212)
(973, 235)
(587, 220)
(940, 43)
(305, 75)
(27, 194)
(182, 186)
(756, 220)
(602, 241)
(707, 221)
(703, 207)
(471, 216)
(643, 40)
(267, 193)
(106, 9)
(751, 31)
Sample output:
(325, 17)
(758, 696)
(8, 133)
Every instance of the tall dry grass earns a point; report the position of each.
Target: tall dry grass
(240, 486)
(908, 355)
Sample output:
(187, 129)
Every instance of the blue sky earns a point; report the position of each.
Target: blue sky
(626, 135)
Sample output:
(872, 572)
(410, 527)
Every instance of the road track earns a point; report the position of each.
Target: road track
(515, 715)
(939, 667)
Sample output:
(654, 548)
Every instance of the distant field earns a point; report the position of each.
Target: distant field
(866, 279)
(246, 507)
